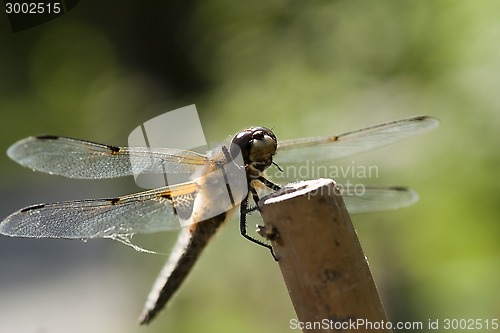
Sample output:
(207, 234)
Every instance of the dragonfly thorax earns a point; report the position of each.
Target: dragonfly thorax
(257, 146)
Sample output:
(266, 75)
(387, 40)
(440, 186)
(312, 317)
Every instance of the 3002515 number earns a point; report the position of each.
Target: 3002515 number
(32, 8)
(471, 324)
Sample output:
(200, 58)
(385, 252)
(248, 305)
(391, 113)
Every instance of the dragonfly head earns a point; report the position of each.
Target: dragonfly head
(257, 146)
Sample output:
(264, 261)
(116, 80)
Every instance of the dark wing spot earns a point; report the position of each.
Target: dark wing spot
(399, 188)
(114, 201)
(334, 138)
(166, 195)
(114, 150)
(27, 209)
(48, 137)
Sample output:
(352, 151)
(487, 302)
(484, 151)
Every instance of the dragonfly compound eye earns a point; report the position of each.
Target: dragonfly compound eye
(241, 144)
(262, 147)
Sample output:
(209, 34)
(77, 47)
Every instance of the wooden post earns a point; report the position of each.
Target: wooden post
(323, 265)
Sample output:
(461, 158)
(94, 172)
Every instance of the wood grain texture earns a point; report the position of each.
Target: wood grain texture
(321, 259)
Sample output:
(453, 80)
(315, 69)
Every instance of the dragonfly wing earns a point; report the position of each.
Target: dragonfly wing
(365, 199)
(81, 159)
(144, 212)
(338, 146)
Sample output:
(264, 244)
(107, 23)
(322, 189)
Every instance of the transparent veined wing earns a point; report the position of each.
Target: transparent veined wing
(338, 146)
(144, 212)
(82, 159)
(366, 199)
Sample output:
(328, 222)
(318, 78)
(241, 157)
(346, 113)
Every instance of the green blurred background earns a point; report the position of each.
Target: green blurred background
(304, 68)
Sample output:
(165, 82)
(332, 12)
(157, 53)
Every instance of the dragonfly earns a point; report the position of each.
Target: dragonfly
(195, 207)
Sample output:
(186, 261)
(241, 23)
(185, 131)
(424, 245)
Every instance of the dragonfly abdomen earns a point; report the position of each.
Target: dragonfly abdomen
(185, 253)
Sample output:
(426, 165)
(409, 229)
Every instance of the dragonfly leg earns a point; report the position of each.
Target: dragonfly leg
(243, 228)
(251, 209)
(269, 184)
(255, 196)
